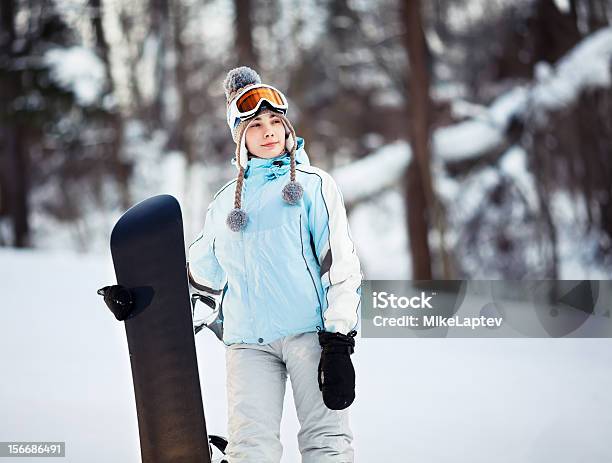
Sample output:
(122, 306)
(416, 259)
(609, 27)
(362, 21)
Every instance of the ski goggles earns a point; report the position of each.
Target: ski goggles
(248, 103)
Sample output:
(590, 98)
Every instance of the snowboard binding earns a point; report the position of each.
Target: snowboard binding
(213, 321)
(118, 299)
(220, 443)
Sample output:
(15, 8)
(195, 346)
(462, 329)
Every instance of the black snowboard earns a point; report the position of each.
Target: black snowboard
(148, 251)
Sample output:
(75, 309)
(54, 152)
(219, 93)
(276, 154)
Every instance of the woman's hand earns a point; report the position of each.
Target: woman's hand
(336, 372)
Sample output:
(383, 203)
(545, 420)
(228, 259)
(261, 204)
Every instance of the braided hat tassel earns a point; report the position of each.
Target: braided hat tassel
(237, 218)
(292, 191)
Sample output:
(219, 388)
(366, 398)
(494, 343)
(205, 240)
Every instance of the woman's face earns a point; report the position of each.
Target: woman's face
(265, 137)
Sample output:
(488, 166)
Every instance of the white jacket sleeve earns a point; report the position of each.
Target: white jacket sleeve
(340, 268)
(205, 273)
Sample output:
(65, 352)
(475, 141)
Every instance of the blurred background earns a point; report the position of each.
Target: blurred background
(470, 138)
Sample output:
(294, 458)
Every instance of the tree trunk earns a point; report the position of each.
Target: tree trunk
(14, 143)
(18, 163)
(116, 119)
(243, 30)
(183, 127)
(155, 112)
(418, 188)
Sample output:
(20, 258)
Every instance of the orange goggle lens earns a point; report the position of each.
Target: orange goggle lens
(251, 98)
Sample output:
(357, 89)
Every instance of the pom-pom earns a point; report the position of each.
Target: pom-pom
(236, 220)
(238, 78)
(292, 192)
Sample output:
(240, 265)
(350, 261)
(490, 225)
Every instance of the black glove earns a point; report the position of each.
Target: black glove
(336, 372)
(119, 299)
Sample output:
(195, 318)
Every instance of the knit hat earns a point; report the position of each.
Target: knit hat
(238, 81)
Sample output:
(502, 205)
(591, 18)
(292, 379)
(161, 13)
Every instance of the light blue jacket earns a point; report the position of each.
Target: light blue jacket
(293, 269)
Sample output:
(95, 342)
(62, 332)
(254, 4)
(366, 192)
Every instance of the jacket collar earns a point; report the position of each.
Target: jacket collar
(278, 166)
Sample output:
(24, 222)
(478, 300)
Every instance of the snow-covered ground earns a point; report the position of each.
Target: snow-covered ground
(66, 377)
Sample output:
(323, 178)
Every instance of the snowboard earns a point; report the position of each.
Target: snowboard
(148, 252)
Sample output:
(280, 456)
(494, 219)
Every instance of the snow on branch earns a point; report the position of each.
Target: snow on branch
(587, 65)
(363, 178)
(79, 70)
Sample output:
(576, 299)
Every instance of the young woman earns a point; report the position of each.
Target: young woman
(277, 255)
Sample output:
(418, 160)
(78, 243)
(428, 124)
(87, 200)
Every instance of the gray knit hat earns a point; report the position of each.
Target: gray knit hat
(238, 81)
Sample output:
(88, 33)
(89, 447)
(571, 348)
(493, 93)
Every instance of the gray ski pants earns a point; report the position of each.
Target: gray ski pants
(256, 379)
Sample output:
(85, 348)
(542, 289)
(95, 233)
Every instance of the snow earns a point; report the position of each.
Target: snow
(79, 70)
(465, 140)
(576, 245)
(217, 34)
(157, 171)
(67, 378)
(378, 232)
(563, 5)
(483, 132)
(588, 65)
(514, 164)
(371, 178)
(381, 169)
(378, 224)
(146, 68)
